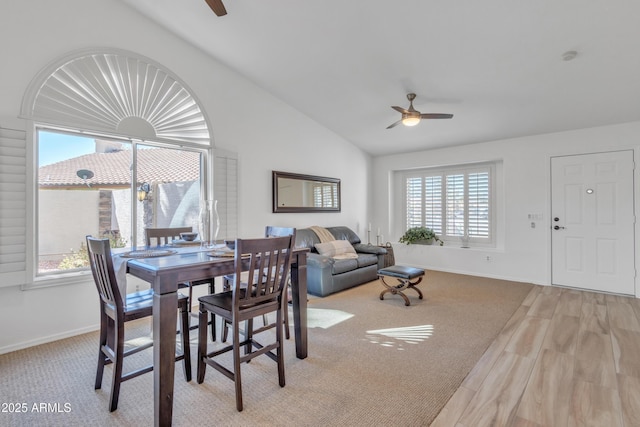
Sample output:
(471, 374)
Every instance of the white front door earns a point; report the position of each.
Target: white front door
(592, 222)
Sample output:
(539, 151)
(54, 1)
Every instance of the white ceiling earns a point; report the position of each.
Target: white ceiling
(495, 64)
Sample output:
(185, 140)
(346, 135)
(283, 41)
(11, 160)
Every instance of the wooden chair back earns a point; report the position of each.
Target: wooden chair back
(270, 258)
(103, 273)
(273, 231)
(164, 236)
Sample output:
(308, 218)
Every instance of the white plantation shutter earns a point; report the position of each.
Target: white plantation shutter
(13, 209)
(433, 202)
(225, 191)
(414, 199)
(119, 93)
(478, 219)
(455, 204)
(451, 201)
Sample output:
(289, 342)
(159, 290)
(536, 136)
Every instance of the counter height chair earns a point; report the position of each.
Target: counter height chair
(270, 259)
(270, 231)
(117, 309)
(164, 236)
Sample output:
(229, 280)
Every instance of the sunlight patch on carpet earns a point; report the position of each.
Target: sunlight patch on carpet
(325, 318)
(395, 337)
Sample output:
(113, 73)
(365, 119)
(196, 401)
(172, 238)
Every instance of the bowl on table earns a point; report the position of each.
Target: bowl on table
(188, 237)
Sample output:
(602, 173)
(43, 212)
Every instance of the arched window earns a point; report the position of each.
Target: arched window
(120, 144)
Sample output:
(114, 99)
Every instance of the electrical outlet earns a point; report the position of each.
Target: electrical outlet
(488, 258)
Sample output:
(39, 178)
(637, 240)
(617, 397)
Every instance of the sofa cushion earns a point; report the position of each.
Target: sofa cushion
(338, 249)
(367, 259)
(344, 265)
(306, 238)
(344, 233)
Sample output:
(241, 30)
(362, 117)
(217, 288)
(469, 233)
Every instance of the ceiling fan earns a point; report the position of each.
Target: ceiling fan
(217, 7)
(411, 116)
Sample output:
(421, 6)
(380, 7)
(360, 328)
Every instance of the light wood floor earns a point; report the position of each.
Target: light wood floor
(565, 358)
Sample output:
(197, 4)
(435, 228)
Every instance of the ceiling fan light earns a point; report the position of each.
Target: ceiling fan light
(410, 121)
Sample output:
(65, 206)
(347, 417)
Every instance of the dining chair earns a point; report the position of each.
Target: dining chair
(117, 309)
(270, 259)
(164, 236)
(270, 231)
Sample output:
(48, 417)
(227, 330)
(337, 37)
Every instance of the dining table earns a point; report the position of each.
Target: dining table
(189, 264)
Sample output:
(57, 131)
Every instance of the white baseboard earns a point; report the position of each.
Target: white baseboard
(473, 273)
(47, 339)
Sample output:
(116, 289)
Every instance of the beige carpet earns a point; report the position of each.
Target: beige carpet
(370, 363)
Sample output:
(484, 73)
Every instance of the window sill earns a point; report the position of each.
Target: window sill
(77, 277)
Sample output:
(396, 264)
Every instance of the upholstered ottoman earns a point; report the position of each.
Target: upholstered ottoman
(408, 278)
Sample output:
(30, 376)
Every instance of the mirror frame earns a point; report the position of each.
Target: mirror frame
(276, 175)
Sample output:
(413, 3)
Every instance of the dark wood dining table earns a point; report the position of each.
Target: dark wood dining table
(164, 274)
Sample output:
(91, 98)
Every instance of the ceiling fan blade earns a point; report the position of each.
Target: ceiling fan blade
(435, 116)
(394, 124)
(217, 7)
(400, 110)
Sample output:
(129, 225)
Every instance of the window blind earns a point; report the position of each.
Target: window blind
(225, 190)
(452, 201)
(13, 209)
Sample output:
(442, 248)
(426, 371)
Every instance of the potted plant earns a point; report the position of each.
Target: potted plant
(420, 236)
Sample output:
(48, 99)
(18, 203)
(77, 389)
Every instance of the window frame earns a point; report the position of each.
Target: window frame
(37, 279)
(443, 172)
(100, 91)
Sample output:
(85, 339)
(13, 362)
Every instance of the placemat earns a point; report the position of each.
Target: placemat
(148, 253)
(221, 254)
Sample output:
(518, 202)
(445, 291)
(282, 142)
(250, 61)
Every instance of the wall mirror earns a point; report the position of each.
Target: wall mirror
(294, 192)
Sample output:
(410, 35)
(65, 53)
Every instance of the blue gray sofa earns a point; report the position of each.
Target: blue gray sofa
(326, 275)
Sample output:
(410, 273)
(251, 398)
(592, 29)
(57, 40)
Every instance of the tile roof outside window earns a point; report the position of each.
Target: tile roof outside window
(112, 168)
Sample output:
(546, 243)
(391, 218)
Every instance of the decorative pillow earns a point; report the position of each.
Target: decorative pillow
(338, 249)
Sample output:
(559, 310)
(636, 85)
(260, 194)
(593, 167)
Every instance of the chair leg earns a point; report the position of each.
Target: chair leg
(117, 367)
(279, 352)
(212, 322)
(202, 344)
(237, 376)
(101, 356)
(212, 290)
(225, 330)
(186, 345)
(285, 313)
(248, 335)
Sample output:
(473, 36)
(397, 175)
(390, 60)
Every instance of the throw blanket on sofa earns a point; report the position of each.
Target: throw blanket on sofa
(323, 234)
(329, 246)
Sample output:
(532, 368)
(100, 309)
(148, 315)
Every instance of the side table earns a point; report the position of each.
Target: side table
(389, 258)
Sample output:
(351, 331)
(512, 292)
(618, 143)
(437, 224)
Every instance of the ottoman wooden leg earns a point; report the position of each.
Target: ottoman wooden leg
(404, 275)
(412, 285)
(396, 290)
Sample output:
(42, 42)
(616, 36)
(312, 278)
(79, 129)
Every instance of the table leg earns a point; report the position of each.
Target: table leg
(165, 307)
(299, 301)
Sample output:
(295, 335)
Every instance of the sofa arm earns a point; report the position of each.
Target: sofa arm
(318, 261)
(319, 274)
(369, 249)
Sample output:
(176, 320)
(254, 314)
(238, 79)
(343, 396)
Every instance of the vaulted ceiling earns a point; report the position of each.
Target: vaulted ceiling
(496, 65)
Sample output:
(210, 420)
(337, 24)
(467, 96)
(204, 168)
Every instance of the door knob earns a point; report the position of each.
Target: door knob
(557, 227)
(556, 219)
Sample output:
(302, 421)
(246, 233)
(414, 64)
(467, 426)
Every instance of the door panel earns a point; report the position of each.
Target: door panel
(592, 229)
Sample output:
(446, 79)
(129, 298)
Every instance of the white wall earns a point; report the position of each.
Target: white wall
(523, 253)
(66, 210)
(273, 137)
